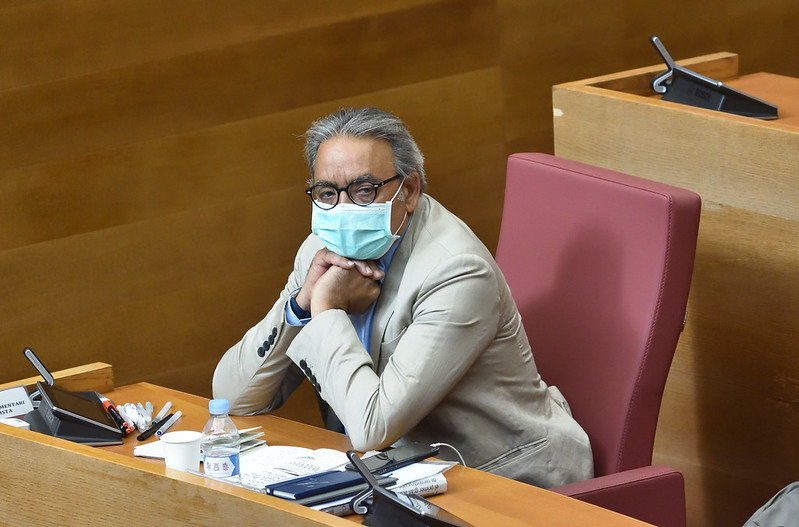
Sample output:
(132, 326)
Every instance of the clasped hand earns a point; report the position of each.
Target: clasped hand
(336, 282)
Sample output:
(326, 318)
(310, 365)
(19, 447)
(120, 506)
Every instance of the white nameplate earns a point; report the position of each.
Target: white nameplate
(14, 401)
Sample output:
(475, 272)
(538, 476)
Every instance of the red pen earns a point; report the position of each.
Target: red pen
(123, 425)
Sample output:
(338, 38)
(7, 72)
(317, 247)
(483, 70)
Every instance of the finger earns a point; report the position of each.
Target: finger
(369, 269)
(326, 258)
(345, 289)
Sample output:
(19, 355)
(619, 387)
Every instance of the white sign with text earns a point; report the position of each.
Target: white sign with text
(14, 402)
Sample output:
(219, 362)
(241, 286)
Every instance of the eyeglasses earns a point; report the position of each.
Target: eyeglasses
(325, 195)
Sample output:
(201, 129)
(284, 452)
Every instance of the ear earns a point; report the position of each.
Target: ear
(412, 190)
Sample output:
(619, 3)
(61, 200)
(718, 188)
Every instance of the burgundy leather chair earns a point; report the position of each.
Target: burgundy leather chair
(599, 264)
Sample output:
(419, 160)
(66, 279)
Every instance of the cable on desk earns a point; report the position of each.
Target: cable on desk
(460, 457)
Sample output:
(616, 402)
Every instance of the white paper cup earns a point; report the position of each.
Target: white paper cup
(182, 449)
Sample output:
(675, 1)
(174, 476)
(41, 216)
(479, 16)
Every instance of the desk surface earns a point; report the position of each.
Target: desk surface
(775, 89)
(78, 484)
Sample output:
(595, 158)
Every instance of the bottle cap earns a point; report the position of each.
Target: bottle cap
(218, 406)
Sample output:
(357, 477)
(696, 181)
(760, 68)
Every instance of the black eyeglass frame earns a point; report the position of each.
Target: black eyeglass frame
(346, 189)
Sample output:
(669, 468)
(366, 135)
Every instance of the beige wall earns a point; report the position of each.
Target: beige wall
(150, 169)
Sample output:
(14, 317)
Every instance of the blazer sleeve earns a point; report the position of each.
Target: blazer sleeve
(255, 375)
(453, 318)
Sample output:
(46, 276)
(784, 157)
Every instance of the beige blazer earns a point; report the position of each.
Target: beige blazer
(451, 362)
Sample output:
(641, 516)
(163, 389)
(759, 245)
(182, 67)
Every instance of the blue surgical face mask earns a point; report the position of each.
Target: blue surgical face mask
(360, 232)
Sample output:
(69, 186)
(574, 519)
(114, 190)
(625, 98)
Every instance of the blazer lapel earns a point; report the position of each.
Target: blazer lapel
(388, 292)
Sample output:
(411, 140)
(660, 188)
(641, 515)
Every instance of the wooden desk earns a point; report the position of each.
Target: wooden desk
(51, 481)
(729, 418)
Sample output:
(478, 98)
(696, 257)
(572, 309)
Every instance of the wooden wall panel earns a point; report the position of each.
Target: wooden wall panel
(180, 172)
(548, 42)
(86, 113)
(139, 279)
(152, 201)
(144, 180)
(728, 419)
(731, 397)
(150, 161)
(48, 40)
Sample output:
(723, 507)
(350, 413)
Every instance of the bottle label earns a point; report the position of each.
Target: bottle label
(221, 467)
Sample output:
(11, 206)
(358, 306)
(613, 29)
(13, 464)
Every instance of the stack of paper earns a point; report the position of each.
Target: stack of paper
(265, 466)
(249, 438)
(272, 464)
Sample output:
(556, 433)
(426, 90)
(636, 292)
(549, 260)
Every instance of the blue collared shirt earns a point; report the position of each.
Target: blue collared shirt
(363, 322)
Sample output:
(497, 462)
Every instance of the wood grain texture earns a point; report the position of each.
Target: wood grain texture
(59, 473)
(150, 153)
(729, 414)
(97, 376)
(546, 43)
(230, 83)
(73, 473)
(179, 271)
(77, 37)
(736, 376)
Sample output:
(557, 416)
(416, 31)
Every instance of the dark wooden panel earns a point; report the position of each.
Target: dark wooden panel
(149, 161)
(221, 85)
(164, 176)
(162, 290)
(145, 180)
(548, 43)
(153, 295)
(49, 40)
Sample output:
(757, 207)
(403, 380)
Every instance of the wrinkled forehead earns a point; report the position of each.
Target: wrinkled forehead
(343, 159)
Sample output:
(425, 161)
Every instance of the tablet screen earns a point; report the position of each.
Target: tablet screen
(76, 406)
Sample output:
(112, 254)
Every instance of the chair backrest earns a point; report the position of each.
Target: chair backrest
(599, 264)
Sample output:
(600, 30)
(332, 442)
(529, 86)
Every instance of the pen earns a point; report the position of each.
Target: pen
(141, 423)
(169, 423)
(163, 411)
(143, 411)
(153, 428)
(115, 416)
(133, 415)
(144, 420)
(149, 407)
(131, 423)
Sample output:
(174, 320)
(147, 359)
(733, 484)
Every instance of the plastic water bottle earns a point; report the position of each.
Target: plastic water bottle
(220, 442)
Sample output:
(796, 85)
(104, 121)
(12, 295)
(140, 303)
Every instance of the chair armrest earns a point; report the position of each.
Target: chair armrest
(653, 494)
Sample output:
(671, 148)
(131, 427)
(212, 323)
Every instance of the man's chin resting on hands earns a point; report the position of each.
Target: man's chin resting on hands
(401, 320)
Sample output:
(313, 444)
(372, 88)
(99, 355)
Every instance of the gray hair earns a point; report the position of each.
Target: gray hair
(367, 122)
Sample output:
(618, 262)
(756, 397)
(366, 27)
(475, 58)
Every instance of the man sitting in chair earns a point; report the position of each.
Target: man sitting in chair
(402, 321)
